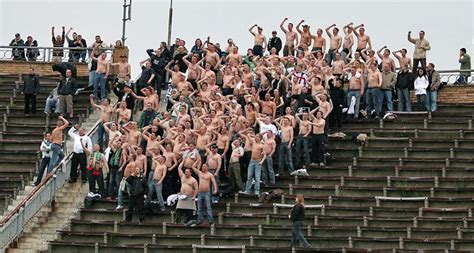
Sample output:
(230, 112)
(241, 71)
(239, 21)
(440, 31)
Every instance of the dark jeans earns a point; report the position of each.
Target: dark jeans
(78, 159)
(416, 62)
(302, 149)
(186, 213)
(114, 181)
(421, 102)
(285, 155)
(101, 133)
(235, 179)
(297, 236)
(138, 203)
(57, 155)
(43, 165)
(318, 148)
(92, 181)
(30, 99)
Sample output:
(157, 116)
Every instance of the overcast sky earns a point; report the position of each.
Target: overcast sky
(448, 24)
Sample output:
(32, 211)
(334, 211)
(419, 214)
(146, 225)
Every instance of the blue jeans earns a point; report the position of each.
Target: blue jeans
(284, 153)
(331, 56)
(204, 196)
(302, 146)
(431, 97)
(373, 101)
(254, 172)
(268, 175)
(101, 133)
(153, 186)
(91, 78)
(99, 83)
(387, 95)
(356, 94)
(57, 155)
(404, 101)
(120, 194)
(297, 236)
(50, 102)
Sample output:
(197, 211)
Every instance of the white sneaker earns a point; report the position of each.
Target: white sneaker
(119, 207)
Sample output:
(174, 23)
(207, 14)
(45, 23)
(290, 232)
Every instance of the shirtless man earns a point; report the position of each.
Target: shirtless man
(356, 89)
(338, 65)
(284, 152)
(373, 97)
(133, 135)
(124, 113)
(206, 179)
(268, 106)
(211, 57)
(319, 42)
(124, 69)
(105, 116)
(291, 39)
(112, 130)
(385, 58)
(202, 140)
(348, 40)
(302, 141)
(305, 34)
(254, 170)
(191, 156)
(214, 161)
(317, 143)
(194, 71)
(57, 142)
(156, 184)
(129, 165)
(149, 98)
(141, 161)
(260, 40)
(235, 178)
(187, 194)
(362, 39)
(402, 58)
(100, 76)
(268, 173)
(234, 56)
(334, 44)
(175, 73)
(324, 105)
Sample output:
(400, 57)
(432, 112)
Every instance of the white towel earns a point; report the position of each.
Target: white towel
(352, 106)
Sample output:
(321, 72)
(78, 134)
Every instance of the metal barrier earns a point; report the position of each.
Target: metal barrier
(451, 76)
(49, 54)
(13, 223)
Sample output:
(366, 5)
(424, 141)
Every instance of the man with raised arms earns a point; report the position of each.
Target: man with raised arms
(291, 38)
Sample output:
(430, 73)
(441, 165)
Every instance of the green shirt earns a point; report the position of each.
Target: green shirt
(465, 62)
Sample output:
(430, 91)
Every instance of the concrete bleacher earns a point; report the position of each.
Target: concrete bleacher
(20, 136)
(407, 188)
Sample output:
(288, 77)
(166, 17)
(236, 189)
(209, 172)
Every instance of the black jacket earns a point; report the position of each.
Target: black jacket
(138, 185)
(68, 87)
(404, 80)
(158, 63)
(63, 67)
(274, 42)
(297, 213)
(31, 85)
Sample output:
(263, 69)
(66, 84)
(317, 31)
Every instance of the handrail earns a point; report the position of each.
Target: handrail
(48, 54)
(8, 221)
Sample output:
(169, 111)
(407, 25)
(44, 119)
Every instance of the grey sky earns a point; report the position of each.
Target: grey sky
(448, 24)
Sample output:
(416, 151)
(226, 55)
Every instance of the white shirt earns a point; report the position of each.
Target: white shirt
(267, 127)
(421, 83)
(46, 149)
(86, 140)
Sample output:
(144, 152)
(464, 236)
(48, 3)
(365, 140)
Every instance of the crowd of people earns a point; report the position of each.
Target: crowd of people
(226, 122)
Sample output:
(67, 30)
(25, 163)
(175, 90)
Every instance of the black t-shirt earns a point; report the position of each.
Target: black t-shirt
(146, 75)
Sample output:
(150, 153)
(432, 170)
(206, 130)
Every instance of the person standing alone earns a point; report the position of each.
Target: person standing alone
(297, 217)
(31, 87)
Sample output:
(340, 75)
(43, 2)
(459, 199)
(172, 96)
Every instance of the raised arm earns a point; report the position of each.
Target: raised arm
(410, 38)
(93, 104)
(379, 52)
(66, 123)
(356, 28)
(298, 26)
(345, 28)
(282, 27)
(251, 30)
(327, 30)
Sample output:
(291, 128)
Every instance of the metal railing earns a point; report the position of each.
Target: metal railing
(49, 54)
(452, 76)
(13, 223)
